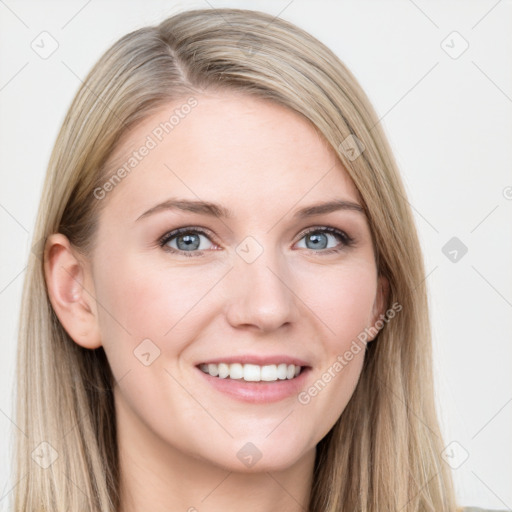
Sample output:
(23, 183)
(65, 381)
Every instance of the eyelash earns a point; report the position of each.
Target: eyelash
(346, 240)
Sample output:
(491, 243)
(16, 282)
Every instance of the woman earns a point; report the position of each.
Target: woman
(229, 305)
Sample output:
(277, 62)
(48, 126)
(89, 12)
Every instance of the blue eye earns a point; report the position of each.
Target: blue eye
(187, 241)
(318, 238)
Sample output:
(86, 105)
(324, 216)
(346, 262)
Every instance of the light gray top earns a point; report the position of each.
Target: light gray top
(476, 509)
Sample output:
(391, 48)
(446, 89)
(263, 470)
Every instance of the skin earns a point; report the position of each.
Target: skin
(178, 436)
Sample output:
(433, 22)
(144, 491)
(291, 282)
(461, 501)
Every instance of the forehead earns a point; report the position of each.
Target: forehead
(226, 147)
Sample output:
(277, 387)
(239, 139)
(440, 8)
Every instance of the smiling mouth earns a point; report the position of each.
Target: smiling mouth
(253, 372)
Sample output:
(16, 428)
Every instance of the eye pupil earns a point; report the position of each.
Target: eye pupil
(190, 241)
(318, 239)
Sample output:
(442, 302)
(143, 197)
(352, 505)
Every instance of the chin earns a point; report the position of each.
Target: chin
(247, 456)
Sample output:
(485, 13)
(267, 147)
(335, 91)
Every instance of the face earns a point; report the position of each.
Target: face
(253, 287)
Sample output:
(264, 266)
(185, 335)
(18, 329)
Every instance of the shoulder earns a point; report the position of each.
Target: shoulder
(477, 509)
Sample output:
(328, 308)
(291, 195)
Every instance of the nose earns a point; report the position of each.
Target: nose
(260, 294)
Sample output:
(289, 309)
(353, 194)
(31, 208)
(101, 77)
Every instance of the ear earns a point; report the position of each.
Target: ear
(379, 306)
(70, 288)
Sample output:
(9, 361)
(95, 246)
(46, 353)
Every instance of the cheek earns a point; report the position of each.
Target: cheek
(344, 304)
(146, 299)
(343, 300)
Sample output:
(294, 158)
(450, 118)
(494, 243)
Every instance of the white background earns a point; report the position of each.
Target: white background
(448, 120)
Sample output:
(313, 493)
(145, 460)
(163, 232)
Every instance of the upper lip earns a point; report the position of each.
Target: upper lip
(260, 360)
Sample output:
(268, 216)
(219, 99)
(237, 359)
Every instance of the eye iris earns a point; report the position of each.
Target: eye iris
(319, 240)
(189, 241)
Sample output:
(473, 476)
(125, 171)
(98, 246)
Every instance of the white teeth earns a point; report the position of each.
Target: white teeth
(269, 372)
(281, 371)
(223, 370)
(252, 372)
(236, 371)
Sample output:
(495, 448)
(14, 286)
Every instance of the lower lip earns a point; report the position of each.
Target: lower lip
(258, 392)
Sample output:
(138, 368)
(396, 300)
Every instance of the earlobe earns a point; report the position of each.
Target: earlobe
(70, 290)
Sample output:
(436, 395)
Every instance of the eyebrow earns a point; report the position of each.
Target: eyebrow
(216, 210)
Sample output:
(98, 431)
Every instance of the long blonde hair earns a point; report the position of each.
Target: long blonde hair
(384, 452)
